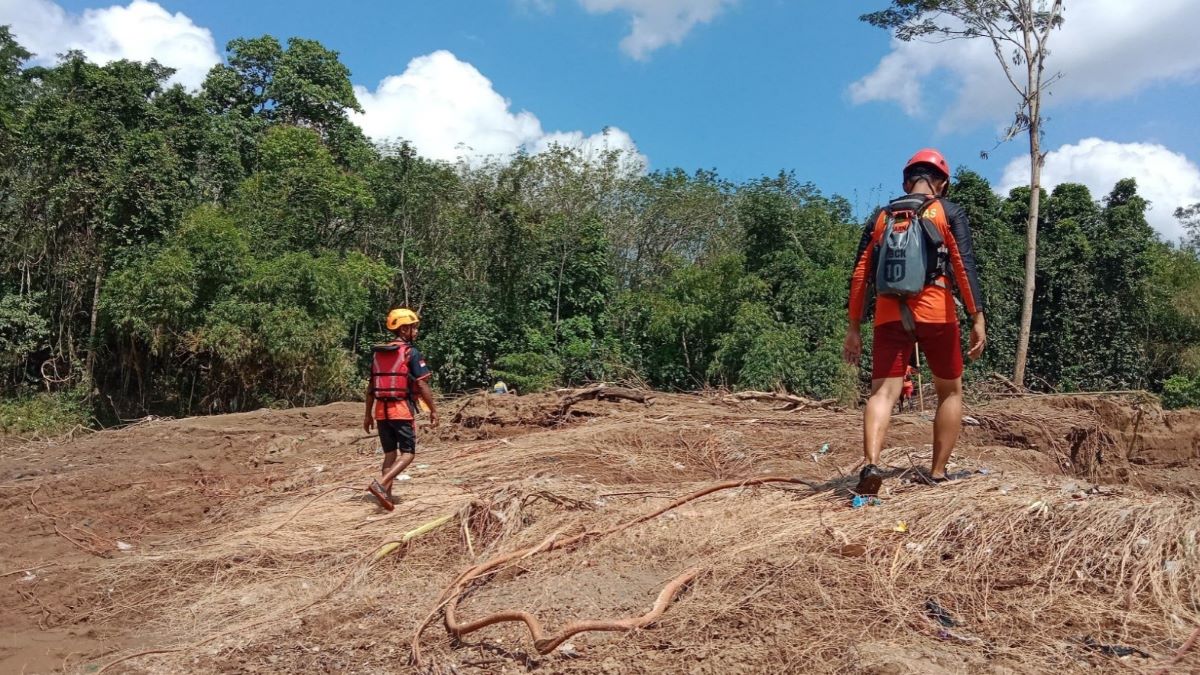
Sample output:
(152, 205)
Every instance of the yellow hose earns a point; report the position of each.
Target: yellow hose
(390, 547)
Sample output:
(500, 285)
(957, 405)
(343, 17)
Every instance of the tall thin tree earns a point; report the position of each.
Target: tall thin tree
(1019, 31)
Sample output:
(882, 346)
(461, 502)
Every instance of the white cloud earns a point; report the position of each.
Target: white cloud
(657, 23)
(139, 31)
(448, 109)
(1167, 179)
(1106, 49)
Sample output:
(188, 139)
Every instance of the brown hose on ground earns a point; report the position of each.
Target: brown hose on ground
(450, 597)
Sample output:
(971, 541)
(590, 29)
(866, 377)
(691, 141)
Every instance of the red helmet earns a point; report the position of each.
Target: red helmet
(931, 157)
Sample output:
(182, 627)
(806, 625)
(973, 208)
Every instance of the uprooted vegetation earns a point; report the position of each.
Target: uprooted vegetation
(579, 541)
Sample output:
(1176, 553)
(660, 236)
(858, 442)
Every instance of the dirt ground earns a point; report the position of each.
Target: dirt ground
(246, 543)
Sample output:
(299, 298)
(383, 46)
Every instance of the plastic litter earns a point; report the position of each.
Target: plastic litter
(938, 613)
(1113, 650)
(863, 500)
(824, 449)
(901, 526)
(404, 476)
(122, 546)
(970, 421)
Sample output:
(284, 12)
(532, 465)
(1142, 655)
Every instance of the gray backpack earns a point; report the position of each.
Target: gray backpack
(911, 253)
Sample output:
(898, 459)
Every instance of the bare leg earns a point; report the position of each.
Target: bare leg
(878, 416)
(389, 476)
(389, 458)
(947, 423)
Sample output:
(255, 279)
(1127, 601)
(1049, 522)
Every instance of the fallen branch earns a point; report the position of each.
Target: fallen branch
(1012, 386)
(793, 402)
(603, 393)
(28, 569)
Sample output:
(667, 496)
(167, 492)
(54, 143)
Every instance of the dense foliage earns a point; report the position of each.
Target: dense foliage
(237, 246)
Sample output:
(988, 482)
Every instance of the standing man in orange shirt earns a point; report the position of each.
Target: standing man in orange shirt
(399, 376)
(912, 251)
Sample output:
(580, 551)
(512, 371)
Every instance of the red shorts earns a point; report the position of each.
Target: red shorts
(940, 343)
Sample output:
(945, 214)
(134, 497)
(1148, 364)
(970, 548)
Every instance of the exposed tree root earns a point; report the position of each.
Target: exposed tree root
(453, 593)
(1180, 654)
(548, 643)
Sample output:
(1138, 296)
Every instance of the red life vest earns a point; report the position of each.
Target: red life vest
(389, 371)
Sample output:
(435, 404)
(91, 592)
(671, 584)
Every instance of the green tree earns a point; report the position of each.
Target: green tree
(300, 199)
(999, 247)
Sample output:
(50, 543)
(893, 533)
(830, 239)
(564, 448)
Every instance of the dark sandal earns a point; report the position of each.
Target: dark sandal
(381, 495)
(869, 481)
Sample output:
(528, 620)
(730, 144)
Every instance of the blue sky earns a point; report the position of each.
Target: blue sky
(747, 87)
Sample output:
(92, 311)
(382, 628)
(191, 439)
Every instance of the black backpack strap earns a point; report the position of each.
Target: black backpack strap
(935, 235)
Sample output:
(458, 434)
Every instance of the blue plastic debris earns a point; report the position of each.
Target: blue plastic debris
(863, 500)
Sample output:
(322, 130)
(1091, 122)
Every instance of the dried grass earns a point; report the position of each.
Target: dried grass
(791, 578)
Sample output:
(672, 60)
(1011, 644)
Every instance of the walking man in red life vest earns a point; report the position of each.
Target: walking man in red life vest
(399, 377)
(906, 393)
(912, 251)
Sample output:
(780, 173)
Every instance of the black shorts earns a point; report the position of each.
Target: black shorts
(397, 434)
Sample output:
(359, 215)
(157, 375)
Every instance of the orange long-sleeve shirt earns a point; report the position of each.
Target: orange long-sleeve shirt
(934, 304)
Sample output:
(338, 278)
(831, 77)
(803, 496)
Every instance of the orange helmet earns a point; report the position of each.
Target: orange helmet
(401, 317)
(932, 158)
